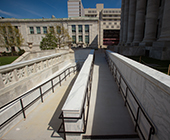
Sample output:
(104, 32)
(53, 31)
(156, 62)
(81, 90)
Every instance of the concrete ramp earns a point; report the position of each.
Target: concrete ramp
(42, 123)
(108, 117)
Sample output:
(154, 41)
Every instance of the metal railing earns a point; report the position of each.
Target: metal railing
(59, 78)
(84, 110)
(140, 110)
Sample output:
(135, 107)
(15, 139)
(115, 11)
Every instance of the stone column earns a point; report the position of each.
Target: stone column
(125, 21)
(151, 22)
(77, 34)
(139, 22)
(131, 22)
(165, 30)
(122, 21)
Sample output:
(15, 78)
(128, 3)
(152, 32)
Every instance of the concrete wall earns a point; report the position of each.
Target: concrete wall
(15, 79)
(152, 88)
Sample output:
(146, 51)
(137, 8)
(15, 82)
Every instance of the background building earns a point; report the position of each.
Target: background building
(75, 8)
(109, 20)
(82, 30)
(145, 28)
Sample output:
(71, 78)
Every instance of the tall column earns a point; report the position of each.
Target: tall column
(140, 21)
(131, 23)
(165, 30)
(151, 22)
(122, 21)
(125, 24)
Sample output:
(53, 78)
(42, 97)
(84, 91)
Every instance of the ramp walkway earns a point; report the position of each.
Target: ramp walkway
(42, 123)
(108, 117)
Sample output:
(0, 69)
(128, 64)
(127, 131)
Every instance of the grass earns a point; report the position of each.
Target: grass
(160, 65)
(4, 60)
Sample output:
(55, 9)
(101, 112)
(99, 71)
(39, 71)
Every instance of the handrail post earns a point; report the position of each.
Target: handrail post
(126, 95)
(52, 85)
(60, 80)
(65, 75)
(22, 107)
(136, 120)
(41, 95)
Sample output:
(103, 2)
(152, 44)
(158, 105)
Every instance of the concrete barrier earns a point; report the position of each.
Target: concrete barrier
(18, 78)
(74, 109)
(152, 89)
(19, 108)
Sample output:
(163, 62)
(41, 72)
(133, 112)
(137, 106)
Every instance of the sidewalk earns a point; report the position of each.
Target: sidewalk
(108, 117)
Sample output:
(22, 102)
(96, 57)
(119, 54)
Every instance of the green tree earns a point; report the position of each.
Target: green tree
(48, 42)
(61, 34)
(10, 36)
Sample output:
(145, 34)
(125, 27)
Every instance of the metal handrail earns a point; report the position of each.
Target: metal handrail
(115, 71)
(82, 114)
(20, 99)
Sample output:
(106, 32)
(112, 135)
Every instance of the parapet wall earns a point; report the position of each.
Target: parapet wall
(152, 89)
(15, 79)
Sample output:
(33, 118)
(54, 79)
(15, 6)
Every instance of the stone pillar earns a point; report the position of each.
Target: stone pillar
(125, 21)
(131, 22)
(151, 22)
(139, 22)
(77, 33)
(165, 30)
(122, 21)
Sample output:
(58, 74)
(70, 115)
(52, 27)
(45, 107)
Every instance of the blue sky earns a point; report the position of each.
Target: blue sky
(45, 8)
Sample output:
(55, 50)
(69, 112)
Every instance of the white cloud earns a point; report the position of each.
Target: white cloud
(32, 12)
(8, 13)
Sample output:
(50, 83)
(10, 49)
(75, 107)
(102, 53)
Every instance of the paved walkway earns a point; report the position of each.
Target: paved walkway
(108, 117)
(42, 123)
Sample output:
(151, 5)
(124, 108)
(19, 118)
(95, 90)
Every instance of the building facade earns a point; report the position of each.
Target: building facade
(145, 28)
(109, 20)
(109, 23)
(81, 30)
(75, 8)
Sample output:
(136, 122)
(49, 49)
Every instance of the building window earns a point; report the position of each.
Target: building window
(51, 29)
(74, 39)
(110, 23)
(45, 30)
(86, 28)
(80, 38)
(107, 26)
(115, 23)
(73, 28)
(112, 26)
(31, 30)
(104, 23)
(58, 29)
(38, 30)
(80, 28)
(87, 39)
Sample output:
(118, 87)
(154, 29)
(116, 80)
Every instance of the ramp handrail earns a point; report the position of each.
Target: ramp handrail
(62, 76)
(115, 71)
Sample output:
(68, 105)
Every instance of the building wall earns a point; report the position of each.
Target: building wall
(32, 40)
(145, 24)
(75, 8)
(109, 19)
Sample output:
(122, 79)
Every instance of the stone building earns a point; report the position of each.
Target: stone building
(109, 23)
(75, 8)
(98, 27)
(82, 30)
(145, 28)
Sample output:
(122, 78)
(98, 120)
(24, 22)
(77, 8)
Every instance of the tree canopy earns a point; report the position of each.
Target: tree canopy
(10, 36)
(56, 37)
(48, 42)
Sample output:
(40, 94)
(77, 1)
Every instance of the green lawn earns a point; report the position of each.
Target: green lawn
(7, 60)
(160, 65)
